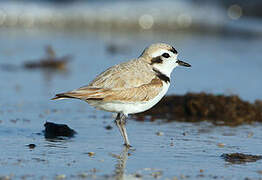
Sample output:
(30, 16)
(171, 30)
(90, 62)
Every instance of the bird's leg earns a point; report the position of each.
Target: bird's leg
(123, 127)
(120, 122)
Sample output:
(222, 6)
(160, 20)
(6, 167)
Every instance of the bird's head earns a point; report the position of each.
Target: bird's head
(162, 57)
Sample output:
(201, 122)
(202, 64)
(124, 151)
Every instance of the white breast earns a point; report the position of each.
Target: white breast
(132, 107)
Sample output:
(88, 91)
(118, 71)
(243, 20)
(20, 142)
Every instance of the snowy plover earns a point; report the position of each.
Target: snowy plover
(131, 87)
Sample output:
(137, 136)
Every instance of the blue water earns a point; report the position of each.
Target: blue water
(225, 55)
(221, 64)
(193, 16)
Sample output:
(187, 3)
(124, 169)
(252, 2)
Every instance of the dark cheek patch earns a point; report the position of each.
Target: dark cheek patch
(156, 60)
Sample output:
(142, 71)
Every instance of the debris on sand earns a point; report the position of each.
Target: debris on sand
(239, 158)
(50, 61)
(194, 107)
(53, 130)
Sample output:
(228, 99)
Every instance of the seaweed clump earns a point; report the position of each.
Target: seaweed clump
(194, 107)
(239, 158)
(51, 61)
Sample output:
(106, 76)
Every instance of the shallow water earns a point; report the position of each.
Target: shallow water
(220, 64)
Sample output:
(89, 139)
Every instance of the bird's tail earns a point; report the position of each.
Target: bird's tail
(87, 94)
(63, 96)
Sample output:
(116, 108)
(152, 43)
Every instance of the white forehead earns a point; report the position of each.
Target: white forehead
(159, 52)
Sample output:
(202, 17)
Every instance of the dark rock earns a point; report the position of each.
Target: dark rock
(53, 130)
(239, 158)
(31, 146)
(138, 175)
(108, 127)
(194, 107)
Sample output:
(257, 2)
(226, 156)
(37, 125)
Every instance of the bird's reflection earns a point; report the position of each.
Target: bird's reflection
(119, 173)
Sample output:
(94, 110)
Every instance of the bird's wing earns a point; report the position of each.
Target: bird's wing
(126, 75)
(130, 81)
(141, 93)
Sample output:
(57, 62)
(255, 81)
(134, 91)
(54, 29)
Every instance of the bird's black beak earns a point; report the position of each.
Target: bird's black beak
(182, 63)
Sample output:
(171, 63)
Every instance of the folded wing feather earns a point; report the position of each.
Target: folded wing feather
(144, 92)
(130, 81)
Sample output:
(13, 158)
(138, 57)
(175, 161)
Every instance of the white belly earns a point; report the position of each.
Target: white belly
(132, 107)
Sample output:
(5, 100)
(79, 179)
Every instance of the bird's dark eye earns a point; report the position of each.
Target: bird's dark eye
(166, 55)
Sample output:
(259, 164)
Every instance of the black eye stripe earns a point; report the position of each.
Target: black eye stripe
(173, 50)
(156, 60)
(166, 55)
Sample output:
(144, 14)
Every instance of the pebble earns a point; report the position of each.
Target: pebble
(108, 127)
(250, 134)
(31, 146)
(83, 175)
(157, 174)
(171, 144)
(137, 175)
(5, 177)
(91, 154)
(159, 133)
(61, 176)
(182, 176)
(13, 120)
(221, 145)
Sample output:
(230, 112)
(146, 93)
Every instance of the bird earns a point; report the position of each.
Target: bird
(130, 87)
